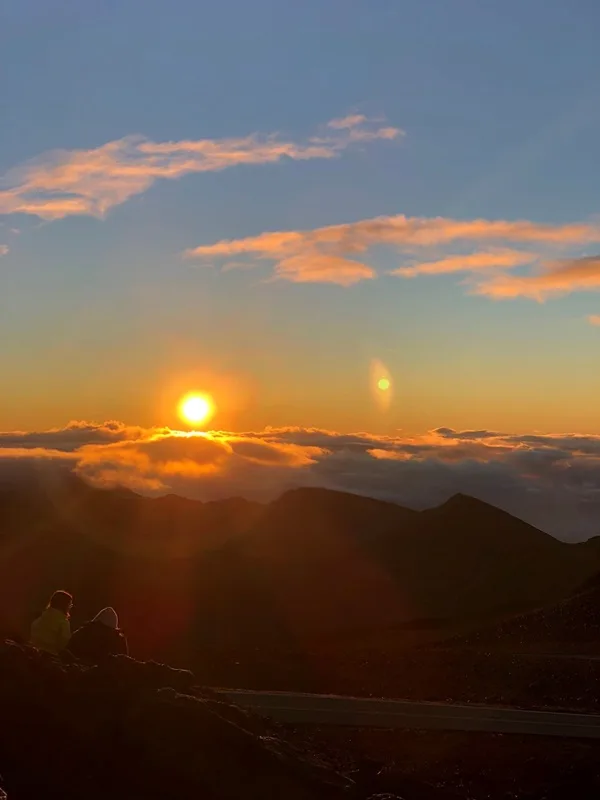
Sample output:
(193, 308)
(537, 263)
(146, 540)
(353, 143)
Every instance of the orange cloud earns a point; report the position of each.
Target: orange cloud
(3, 249)
(351, 121)
(35, 454)
(551, 480)
(594, 319)
(71, 182)
(263, 452)
(556, 278)
(356, 237)
(163, 457)
(322, 268)
(321, 254)
(472, 262)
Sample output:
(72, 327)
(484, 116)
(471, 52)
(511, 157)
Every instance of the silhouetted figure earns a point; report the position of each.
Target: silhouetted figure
(99, 638)
(52, 630)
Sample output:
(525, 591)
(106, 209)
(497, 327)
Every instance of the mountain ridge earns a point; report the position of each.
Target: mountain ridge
(187, 576)
(70, 485)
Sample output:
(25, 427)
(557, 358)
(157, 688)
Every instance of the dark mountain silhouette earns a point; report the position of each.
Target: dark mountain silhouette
(332, 561)
(189, 578)
(476, 559)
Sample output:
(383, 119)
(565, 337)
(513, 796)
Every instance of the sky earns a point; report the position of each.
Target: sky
(279, 204)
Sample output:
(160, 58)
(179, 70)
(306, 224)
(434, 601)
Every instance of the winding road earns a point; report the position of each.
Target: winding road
(315, 709)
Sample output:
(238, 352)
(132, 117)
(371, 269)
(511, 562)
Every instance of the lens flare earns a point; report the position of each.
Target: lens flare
(380, 384)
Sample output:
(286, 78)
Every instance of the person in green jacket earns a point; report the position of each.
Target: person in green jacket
(52, 630)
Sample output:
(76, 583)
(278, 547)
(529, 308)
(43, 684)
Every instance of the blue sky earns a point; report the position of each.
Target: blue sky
(101, 317)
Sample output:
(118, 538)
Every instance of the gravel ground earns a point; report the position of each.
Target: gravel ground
(417, 765)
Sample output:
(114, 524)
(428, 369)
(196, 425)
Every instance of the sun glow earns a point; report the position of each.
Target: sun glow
(196, 408)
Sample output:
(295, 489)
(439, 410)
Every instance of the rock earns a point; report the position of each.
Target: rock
(384, 797)
(128, 730)
(206, 747)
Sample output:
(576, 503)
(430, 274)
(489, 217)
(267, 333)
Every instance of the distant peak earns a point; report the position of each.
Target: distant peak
(460, 497)
(322, 494)
(467, 502)
(471, 508)
(333, 500)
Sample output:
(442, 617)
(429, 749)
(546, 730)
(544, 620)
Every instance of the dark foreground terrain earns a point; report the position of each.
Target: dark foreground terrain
(133, 730)
(463, 766)
(317, 592)
(568, 627)
(461, 675)
(130, 730)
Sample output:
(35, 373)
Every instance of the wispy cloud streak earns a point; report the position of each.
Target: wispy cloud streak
(555, 278)
(501, 258)
(90, 182)
(329, 254)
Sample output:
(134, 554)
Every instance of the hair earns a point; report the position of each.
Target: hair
(62, 601)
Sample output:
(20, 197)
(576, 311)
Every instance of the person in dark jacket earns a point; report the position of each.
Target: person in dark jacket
(99, 638)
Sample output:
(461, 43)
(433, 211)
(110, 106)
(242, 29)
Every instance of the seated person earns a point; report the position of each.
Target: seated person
(99, 638)
(51, 631)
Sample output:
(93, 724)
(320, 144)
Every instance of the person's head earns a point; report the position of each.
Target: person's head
(62, 601)
(107, 617)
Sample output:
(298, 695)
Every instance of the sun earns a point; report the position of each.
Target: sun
(196, 408)
(383, 384)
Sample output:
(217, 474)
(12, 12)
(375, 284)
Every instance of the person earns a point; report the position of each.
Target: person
(99, 638)
(51, 631)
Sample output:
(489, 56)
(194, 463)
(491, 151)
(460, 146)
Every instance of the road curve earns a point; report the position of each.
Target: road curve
(401, 714)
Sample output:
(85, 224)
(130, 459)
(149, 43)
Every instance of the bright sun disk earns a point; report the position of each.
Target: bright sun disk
(196, 408)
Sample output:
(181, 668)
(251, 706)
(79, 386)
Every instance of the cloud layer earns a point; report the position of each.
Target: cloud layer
(340, 253)
(71, 182)
(550, 480)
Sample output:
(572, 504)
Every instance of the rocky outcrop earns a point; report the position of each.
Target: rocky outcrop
(128, 730)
